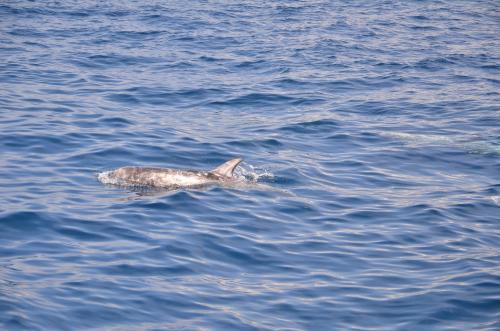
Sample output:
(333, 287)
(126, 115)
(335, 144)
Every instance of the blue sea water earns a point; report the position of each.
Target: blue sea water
(371, 128)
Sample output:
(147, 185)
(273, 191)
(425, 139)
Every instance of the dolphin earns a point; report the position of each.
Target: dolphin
(169, 178)
(470, 144)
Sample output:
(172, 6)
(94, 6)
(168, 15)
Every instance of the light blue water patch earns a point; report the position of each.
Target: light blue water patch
(370, 193)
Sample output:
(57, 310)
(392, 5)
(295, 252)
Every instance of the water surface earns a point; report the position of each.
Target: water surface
(371, 128)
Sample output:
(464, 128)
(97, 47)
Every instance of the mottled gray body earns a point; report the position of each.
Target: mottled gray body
(169, 178)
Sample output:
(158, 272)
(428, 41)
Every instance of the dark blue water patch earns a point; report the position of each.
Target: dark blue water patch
(114, 60)
(311, 127)
(110, 61)
(115, 122)
(177, 64)
(491, 67)
(25, 222)
(492, 190)
(26, 32)
(36, 144)
(257, 100)
(142, 270)
(98, 156)
(42, 76)
(117, 13)
(256, 144)
(156, 96)
(103, 78)
(251, 64)
(125, 98)
(79, 235)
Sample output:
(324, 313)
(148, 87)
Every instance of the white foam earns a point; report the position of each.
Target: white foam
(249, 173)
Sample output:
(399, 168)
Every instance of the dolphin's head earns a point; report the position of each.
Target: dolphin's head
(123, 175)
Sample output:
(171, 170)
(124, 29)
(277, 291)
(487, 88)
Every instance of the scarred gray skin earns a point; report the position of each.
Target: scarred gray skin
(169, 178)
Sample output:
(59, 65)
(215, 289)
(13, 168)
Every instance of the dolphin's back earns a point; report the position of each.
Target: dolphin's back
(163, 177)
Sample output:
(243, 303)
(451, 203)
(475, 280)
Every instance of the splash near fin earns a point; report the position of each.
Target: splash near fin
(226, 169)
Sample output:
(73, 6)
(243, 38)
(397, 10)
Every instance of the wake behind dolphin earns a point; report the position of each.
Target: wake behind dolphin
(167, 178)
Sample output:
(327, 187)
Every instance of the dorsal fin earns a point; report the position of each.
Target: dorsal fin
(227, 168)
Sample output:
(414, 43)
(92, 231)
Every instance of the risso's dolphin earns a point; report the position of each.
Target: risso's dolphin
(169, 178)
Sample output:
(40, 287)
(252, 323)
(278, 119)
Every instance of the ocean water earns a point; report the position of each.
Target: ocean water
(371, 137)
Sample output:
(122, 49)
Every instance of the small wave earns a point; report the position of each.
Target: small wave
(257, 99)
